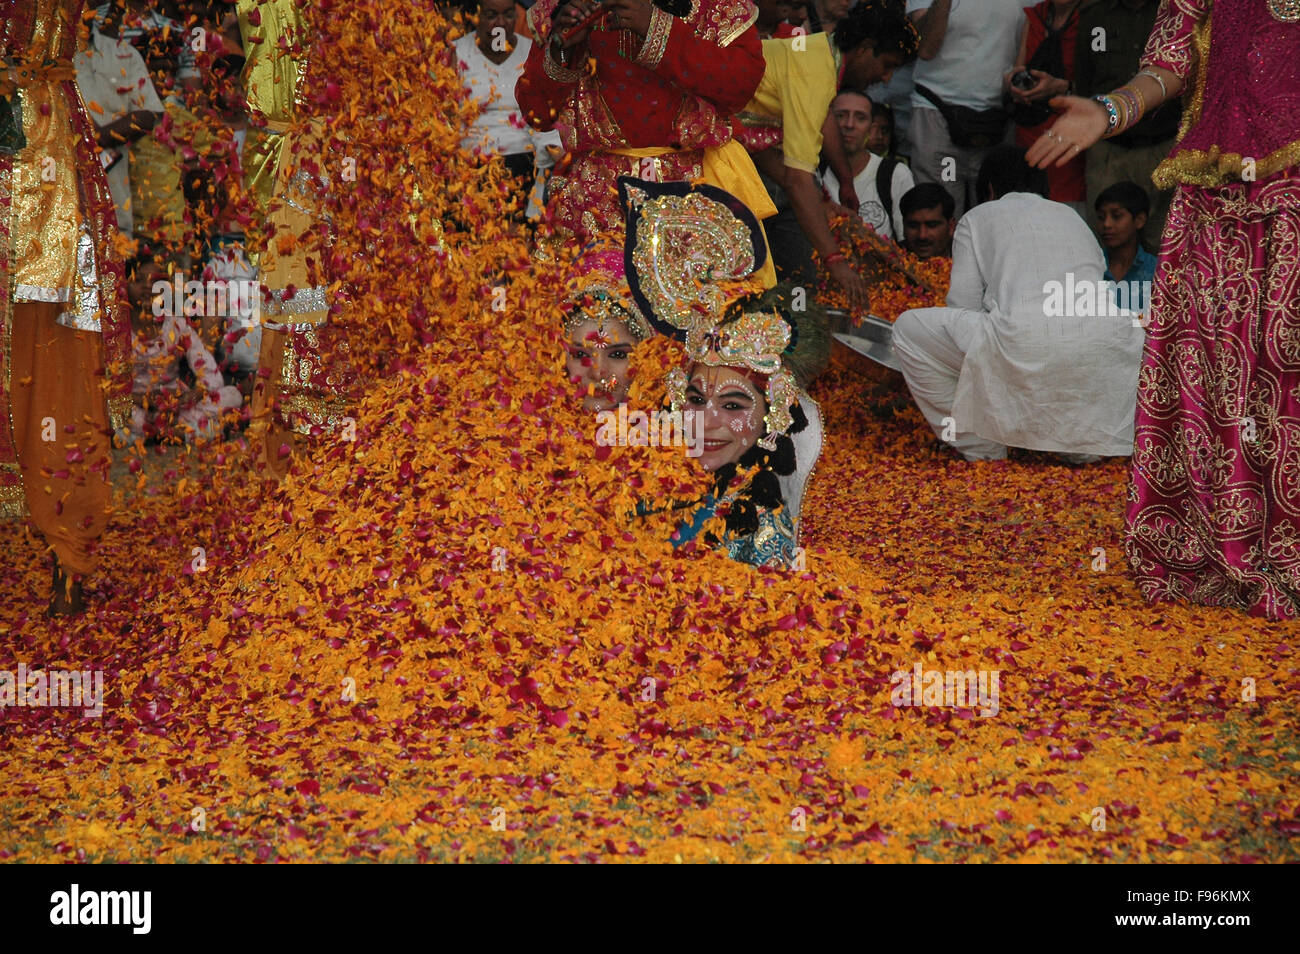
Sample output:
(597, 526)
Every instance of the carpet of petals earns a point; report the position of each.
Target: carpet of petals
(445, 639)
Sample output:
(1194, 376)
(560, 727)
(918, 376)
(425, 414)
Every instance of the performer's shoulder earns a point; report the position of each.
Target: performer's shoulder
(721, 21)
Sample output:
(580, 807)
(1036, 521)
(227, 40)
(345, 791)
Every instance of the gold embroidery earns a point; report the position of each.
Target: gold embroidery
(1166, 48)
(1216, 168)
(310, 411)
(13, 499)
(722, 21)
(656, 38)
(560, 74)
(119, 411)
(594, 117)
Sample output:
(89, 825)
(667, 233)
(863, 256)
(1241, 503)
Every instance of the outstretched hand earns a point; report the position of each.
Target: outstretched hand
(1081, 123)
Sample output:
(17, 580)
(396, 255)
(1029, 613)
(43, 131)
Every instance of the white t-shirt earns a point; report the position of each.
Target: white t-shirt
(499, 129)
(887, 223)
(114, 81)
(981, 44)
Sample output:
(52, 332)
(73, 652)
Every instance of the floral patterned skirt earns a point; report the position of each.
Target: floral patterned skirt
(1214, 502)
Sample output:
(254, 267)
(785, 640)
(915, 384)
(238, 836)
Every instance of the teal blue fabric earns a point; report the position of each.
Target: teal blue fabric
(772, 544)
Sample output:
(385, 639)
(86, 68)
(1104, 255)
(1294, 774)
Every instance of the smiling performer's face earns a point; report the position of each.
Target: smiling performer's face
(731, 410)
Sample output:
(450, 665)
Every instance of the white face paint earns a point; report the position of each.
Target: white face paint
(731, 411)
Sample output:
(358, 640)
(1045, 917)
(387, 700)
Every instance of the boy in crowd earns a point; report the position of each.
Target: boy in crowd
(929, 221)
(1122, 211)
(879, 183)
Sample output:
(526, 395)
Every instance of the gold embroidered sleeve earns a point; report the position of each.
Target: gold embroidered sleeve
(656, 38)
(722, 21)
(560, 74)
(1172, 42)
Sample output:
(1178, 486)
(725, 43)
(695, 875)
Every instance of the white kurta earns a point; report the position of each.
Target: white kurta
(1066, 384)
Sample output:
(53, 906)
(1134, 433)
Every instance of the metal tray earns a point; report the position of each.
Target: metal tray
(871, 337)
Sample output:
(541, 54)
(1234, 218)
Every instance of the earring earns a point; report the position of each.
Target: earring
(677, 382)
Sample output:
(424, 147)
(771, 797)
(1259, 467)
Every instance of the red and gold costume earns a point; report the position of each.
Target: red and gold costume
(659, 109)
(61, 321)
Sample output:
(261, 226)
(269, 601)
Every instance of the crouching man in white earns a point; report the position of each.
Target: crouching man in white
(998, 367)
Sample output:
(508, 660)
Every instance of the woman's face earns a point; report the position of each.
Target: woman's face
(731, 410)
(597, 364)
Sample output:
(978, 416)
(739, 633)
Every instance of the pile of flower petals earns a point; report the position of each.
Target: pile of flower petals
(447, 637)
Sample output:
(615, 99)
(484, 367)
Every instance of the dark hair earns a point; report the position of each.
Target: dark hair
(886, 112)
(886, 28)
(1128, 195)
(1004, 168)
(926, 196)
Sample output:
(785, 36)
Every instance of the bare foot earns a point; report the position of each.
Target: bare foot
(66, 598)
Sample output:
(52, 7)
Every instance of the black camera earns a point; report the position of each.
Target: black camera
(1024, 80)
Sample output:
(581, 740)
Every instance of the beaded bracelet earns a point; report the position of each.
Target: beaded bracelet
(1112, 114)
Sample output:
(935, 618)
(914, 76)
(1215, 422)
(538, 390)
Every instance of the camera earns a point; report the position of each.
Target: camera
(1024, 80)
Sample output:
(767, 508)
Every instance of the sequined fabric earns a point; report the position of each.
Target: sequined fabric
(1245, 91)
(1214, 505)
(56, 219)
(598, 290)
(771, 544)
(277, 61)
(685, 246)
(47, 216)
(285, 171)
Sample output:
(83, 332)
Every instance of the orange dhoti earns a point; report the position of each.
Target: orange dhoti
(61, 432)
(64, 341)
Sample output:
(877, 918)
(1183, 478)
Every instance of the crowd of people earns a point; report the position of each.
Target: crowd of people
(700, 152)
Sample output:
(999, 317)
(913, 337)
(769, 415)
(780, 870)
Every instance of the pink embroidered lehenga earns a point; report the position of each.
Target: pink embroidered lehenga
(1214, 505)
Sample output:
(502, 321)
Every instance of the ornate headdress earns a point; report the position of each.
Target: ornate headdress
(598, 291)
(691, 255)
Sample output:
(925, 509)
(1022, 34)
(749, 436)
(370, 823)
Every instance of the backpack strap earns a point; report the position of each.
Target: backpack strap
(885, 188)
